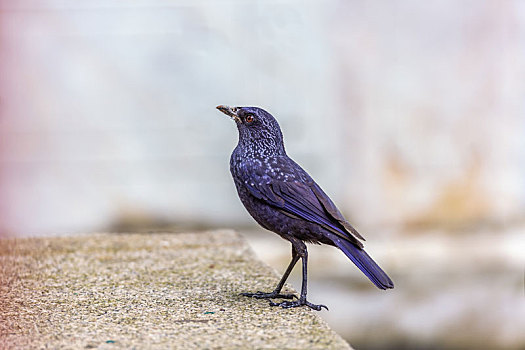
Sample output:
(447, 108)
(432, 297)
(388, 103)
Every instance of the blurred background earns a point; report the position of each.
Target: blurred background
(410, 114)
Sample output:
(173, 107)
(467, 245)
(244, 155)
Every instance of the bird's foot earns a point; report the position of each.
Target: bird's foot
(262, 295)
(297, 303)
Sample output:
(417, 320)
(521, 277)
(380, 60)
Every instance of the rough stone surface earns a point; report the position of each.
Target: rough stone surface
(146, 291)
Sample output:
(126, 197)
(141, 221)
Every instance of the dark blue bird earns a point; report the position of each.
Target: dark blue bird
(284, 199)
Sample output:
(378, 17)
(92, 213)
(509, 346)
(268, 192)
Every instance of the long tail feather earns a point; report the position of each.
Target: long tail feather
(364, 262)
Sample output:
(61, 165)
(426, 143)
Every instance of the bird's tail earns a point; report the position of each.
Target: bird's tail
(364, 262)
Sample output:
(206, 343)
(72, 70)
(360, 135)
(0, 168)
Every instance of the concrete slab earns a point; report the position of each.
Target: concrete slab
(145, 291)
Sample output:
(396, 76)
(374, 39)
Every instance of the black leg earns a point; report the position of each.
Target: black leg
(277, 291)
(301, 251)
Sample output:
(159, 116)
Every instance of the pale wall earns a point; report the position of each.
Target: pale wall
(406, 112)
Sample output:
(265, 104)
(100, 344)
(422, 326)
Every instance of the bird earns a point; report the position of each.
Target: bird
(282, 197)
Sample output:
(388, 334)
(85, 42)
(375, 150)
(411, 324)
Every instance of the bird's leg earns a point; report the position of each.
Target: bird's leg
(277, 291)
(302, 252)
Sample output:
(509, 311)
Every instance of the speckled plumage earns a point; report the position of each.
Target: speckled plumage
(283, 198)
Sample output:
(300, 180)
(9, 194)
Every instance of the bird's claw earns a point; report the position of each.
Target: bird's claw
(297, 303)
(271, 295)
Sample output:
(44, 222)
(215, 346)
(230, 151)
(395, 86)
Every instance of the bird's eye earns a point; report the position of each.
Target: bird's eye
(249, 118)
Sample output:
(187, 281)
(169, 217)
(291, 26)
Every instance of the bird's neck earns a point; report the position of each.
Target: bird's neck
(260, 148)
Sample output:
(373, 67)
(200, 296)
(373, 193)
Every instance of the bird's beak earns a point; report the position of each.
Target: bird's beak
(231, 111)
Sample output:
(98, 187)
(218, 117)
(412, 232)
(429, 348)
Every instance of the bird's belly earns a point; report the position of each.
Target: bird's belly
(271, 218)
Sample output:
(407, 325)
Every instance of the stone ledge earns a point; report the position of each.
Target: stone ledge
(143, 291)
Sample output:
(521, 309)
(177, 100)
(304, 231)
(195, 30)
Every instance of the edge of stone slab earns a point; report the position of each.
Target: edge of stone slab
(233, 238)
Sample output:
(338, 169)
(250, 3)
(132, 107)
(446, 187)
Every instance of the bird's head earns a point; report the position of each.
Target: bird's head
(258, 129)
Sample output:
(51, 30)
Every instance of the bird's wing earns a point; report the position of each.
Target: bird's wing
(304, 199)
(330, 207)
